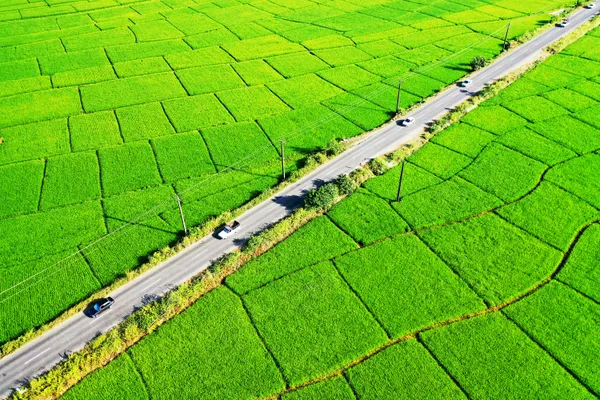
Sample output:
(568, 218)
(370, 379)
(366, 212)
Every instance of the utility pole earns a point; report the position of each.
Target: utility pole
(398, 99)
(283, 158)
(400, 182)
(181, 213)
(504, 48)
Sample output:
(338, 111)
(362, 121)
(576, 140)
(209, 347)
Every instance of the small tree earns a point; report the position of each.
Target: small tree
(478, 62)
(334, 147)
(321, 198)
(378, 166)
(344, 184)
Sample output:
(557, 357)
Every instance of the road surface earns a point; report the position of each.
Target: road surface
(46, 351)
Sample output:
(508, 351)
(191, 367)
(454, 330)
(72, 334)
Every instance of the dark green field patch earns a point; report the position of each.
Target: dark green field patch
(550, 214)
(582, 270)
(406, 286)
(252, 103)
(498, 260)
(182, 156)
(200, 345)
(536, 146)
(449, 201)
(386, 96)
(464, 138)
(118, 380)
(504, 173)
(71, 179)
(571, 133)
(567, 325)
(94, 131)
(579, 176)
(130, 91)
(405, 370)
(349, 77)
(143, 121)
(312, 322)
(18, 70)
(304, 90)
(135, 158)
(332, 389)
(420, 85)
(367, 217)
(439, 160)
(235, 144)
(476, 350)
(196, 112)
(318, 240)
(308, 129)
(20, 187)
(209, 79)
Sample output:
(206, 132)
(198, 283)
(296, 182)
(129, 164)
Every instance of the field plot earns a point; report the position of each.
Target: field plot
(480, 282)
(104, 99)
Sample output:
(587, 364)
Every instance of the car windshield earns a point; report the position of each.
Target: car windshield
(226, 230)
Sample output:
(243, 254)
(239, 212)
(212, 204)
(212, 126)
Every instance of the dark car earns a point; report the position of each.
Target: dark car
(101, 306)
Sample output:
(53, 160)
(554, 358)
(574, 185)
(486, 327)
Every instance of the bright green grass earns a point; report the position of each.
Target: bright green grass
(567, 325)
(18, 70)
(71, 179)
(316, 241)
(256, 72)
(209, 79)
(20, 186)
(494, 119)
(53, 64)
(332, 389)
(342, 55)
(504, 173)
(498, 260)
(304, 90)
(575, 65)
(420, 85)
(301, 132)
(291, 65)
(581, 270)
(578, 176)
(553, 78)
(464, 138)
(196, 112)
(232, 144)
(491, 358)
(118, 380)
(439, 160)
(587, 88)
(130, 91)
(142, 66)
(26, 142)
(136, 51)
(447, 202)
(83, 76)
(405, 370)
(551, 214)
(386, 96)
(590, 116)
(569, 99)
(387, 66)
(156, 30)
(312, 322)
(143, 121)
(536, 146)
(261, 47)
(535, 108)
(359, 111)
(33, 107)
(137, 159)
(211, 38)
(406, 286)
(97, 39)
(26, 85)
(367, 217)
(94, 131)
(327, 42)
(414, 179)
(182, 156)
(349, 77)
(571, 133)
(213, 350)
(252, 103)
(521, 88)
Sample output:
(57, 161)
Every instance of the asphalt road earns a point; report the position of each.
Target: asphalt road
(47, 350)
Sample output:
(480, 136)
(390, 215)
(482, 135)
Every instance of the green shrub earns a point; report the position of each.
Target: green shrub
(378, 166)
(321, 198)
(344, 184)
(478, 62)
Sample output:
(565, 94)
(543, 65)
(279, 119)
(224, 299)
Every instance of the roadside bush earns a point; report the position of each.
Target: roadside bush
(344, 184)
(321, 198)
(334, 147)
(378, 166)
(478, 62)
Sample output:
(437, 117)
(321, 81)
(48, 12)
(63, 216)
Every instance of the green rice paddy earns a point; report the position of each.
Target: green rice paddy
(481, 282)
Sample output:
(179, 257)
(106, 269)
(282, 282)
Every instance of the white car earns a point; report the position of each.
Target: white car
(228, 230)
(590, 6)
(562, 24)
(465, 83)
(407, 121)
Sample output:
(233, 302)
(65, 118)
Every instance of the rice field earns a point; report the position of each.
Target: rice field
(481, 282)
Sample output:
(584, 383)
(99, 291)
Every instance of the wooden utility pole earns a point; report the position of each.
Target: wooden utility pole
(400, 182)
(399, 94)
(283, 158)
(181, 213)
(504, 48)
